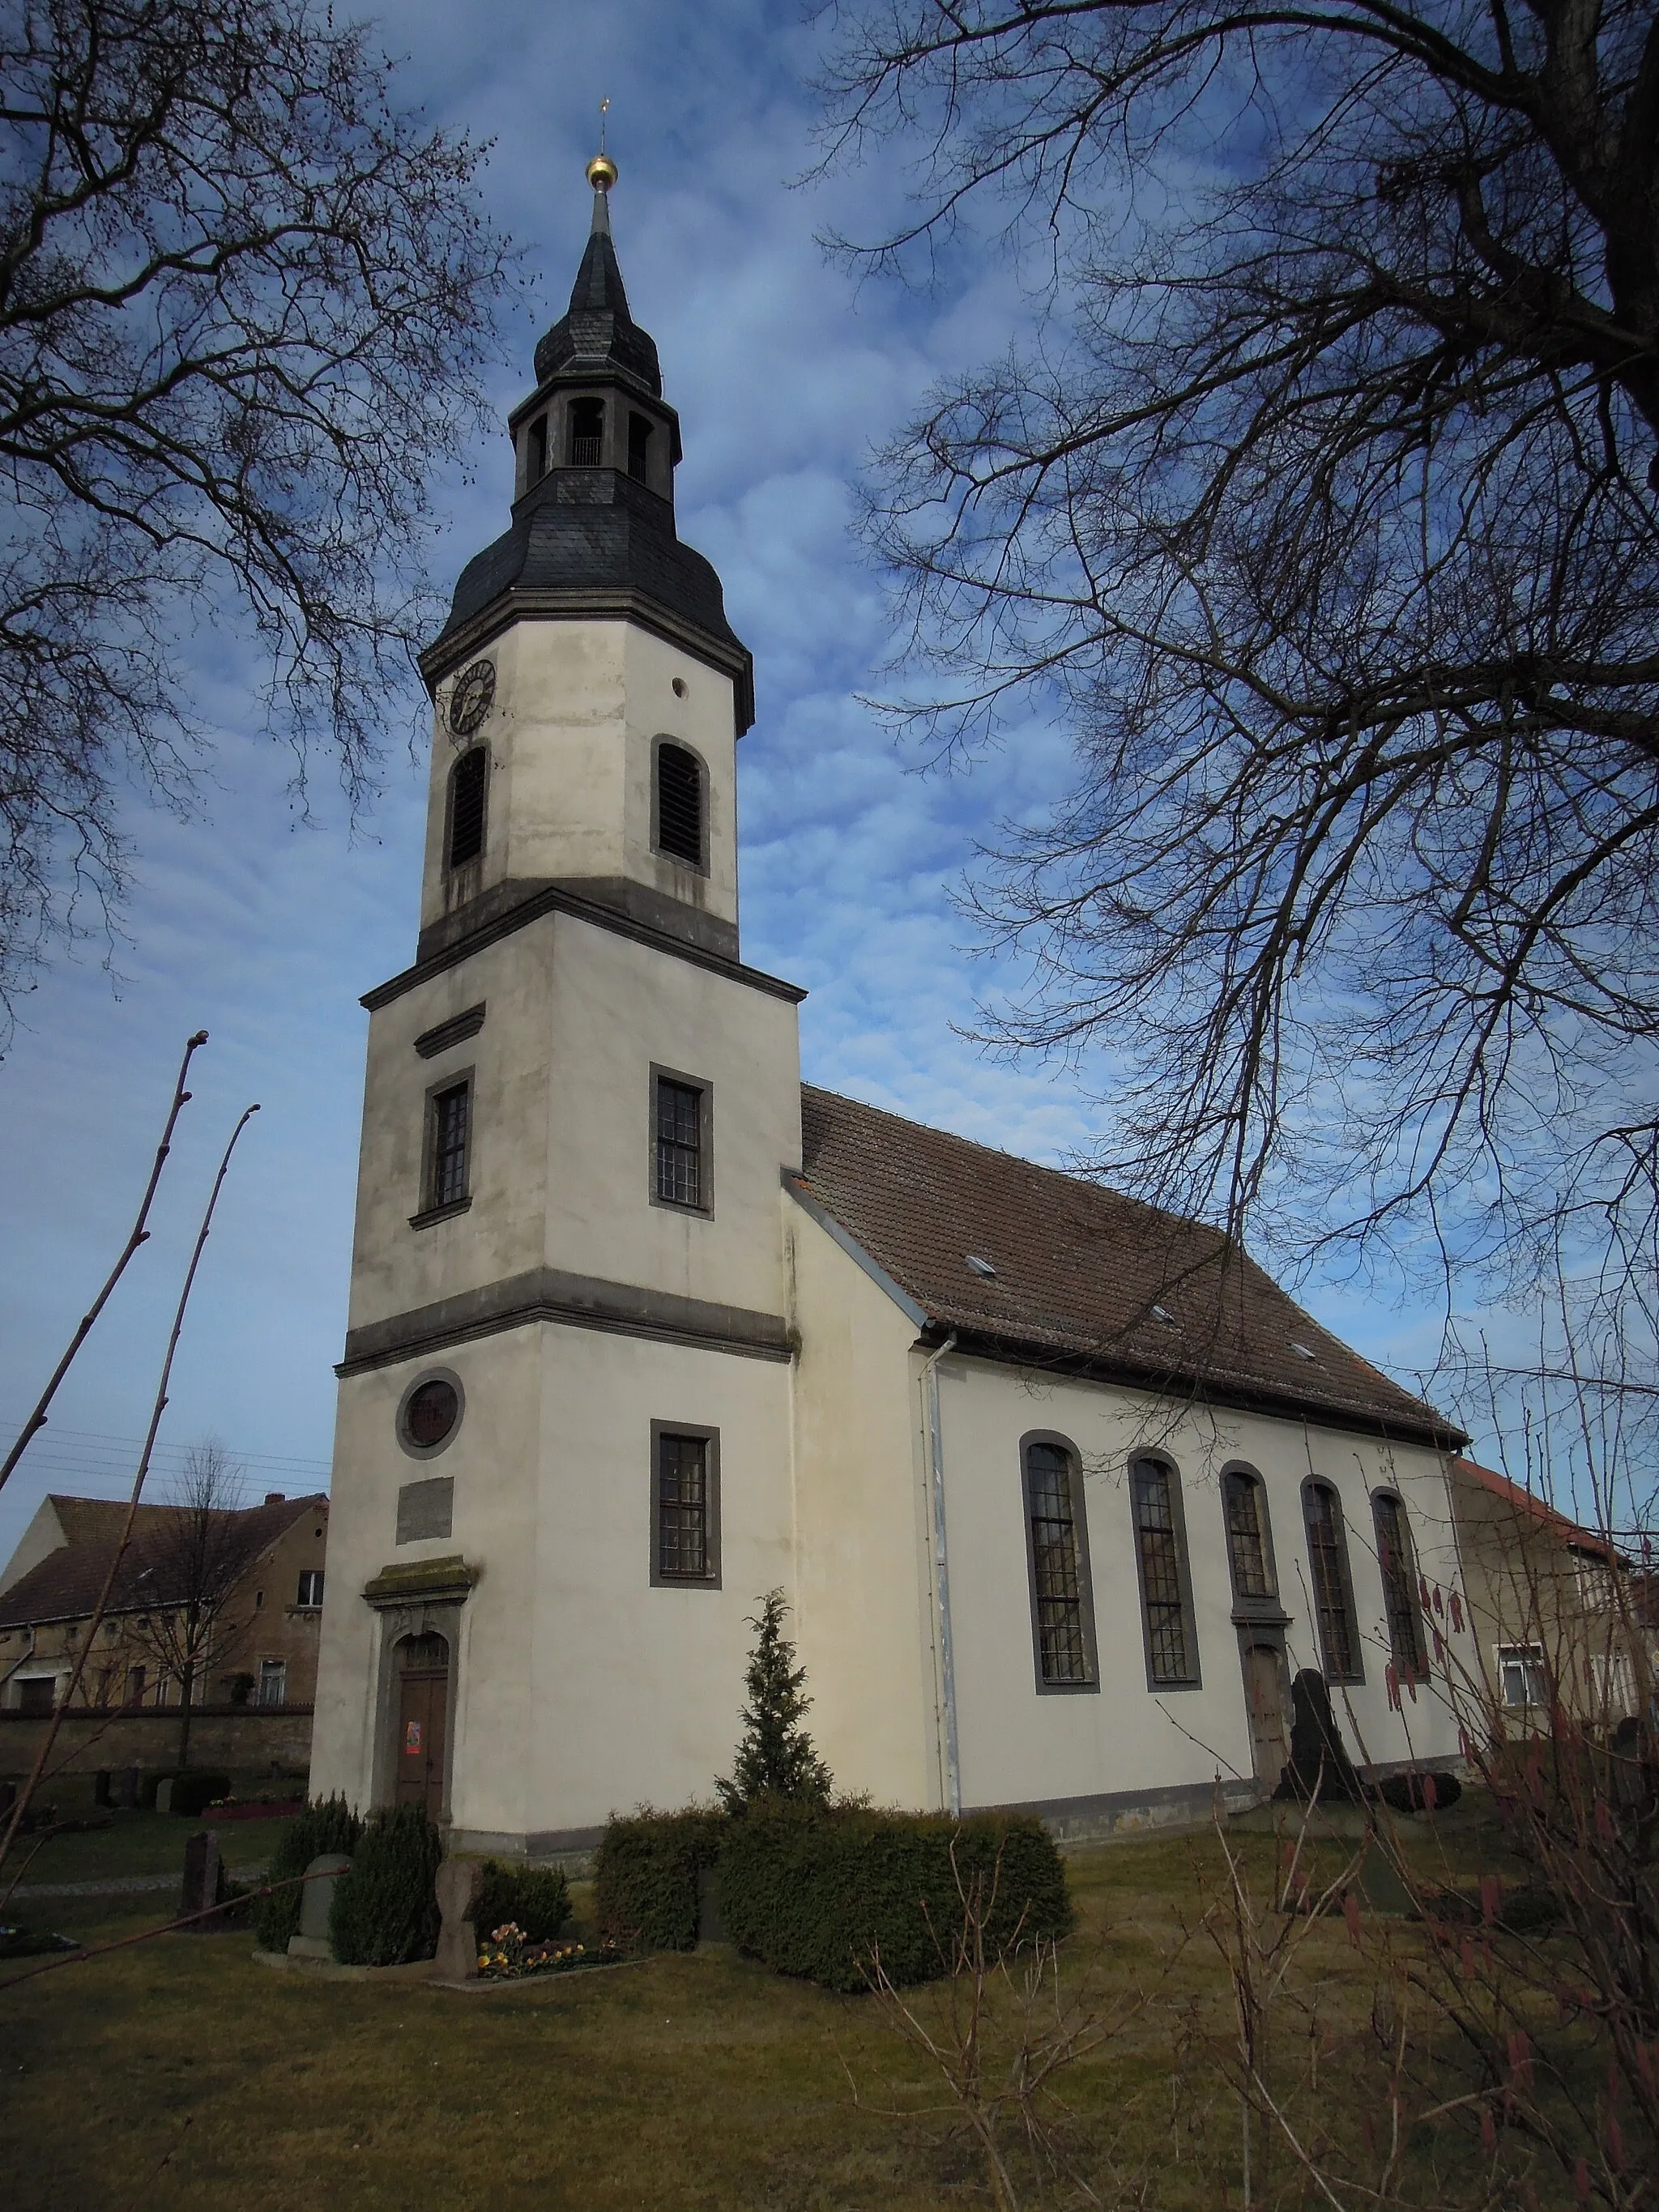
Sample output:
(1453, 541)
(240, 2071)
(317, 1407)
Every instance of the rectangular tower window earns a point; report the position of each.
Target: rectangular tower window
(685, 1505)
(452, 1131)
(679, 1142)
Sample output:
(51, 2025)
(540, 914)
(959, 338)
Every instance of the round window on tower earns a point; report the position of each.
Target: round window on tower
(430, 1412)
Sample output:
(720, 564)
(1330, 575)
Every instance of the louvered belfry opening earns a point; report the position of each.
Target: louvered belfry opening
(586, 433)
(639, 447)
(467, 781)
(679, 804)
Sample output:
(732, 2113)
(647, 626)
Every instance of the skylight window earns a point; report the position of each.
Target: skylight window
(982, 1268)
(1302, 1351)
(1163, 1313)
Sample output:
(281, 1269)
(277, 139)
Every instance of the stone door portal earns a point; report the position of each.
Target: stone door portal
(423, 1711)
(1264, 1694)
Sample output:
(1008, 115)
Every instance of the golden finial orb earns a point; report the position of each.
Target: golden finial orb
(601, 173)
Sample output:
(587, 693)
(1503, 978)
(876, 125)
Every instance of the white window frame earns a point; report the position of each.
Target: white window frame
(1528, 1661)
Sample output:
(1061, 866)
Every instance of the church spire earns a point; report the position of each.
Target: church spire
(596, 334)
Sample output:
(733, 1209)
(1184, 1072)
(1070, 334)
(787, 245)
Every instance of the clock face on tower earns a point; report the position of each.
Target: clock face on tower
(470, 701)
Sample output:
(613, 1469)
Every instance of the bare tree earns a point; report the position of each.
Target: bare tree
(189, 1568)
(1324, 505)
(244, 301)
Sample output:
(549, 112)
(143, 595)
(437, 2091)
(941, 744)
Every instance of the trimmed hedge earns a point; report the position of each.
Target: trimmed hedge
(385, 1908)
(811, 1892)
(329, 1824)
(645, 1877)
(194, 1790)
(537, 1899)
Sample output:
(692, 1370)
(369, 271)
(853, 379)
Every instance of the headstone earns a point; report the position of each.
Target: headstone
(322, 1877)
(456, 1886)
(1318, 1769)
(102, 1789)
(204, 1875)
(164, 1794)
(131, 1780)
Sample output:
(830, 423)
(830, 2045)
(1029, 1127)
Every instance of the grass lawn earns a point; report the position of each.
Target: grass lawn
(181, 2073)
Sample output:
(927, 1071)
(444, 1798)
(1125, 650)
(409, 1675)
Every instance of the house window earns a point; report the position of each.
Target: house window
(1327, 1559)
(536, 452)
(639, 446)
(469, 780)
(1062, 1624)
(310, 1587)
(135, 1686)
(1520, 1681)
(1399, 1571)
(1246, 1509)
(273, 1681)
(680, 1112)
(36, 1693)
(685, 1505)
(586, 433)
(1161, 1554)
(679, 804)
(450, 1113)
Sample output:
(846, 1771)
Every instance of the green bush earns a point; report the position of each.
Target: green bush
(385, 1909)
(1408, 1793)
(537, 1899)
(196, 1790)
(645, 1876)
(811, 1892)
(329, 1824)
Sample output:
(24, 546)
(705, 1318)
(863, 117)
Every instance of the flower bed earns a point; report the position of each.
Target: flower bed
(508, 1955)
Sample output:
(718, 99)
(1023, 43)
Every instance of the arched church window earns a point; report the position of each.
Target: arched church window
(1062, 1616)
(639, 445)
(679, 804)
(536, 452)
(1327, 1559)
(586, 433)
(1399, 1569)
(1248, 1554)
(1166, 1603)
(468, 781)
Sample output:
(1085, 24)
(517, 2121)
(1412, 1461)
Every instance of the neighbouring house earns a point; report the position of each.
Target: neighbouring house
(256, 1659)
(1061, 1490)
(1555, 1610)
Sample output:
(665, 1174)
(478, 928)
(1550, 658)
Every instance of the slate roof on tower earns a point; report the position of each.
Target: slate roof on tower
(1080, 1273)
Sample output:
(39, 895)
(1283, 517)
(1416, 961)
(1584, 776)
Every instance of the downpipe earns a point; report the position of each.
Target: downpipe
(942, 1576)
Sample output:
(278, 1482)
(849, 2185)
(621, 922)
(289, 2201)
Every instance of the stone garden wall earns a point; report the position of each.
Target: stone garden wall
(242, 1740)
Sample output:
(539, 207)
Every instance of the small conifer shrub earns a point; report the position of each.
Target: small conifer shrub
(329, 1824)
(386, 1907)
(776, 1758)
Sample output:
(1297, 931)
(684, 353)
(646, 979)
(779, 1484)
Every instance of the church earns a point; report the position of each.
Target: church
(1059, 1492)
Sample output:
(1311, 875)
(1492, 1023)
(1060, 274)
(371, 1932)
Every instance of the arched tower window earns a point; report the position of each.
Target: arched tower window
(1399, 1569)
(468, 781)
(536, 452)
(586, 433)
(1248, 1550)
(639, 446)
(1327, 1559)
(679, 804)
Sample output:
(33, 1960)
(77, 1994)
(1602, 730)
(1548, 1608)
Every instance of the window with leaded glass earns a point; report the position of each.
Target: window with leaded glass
(680, 1140)
(1399, 1573)
(1160, 1553)
(1246, 1509)
(685, 1505)
(1328, 1561)
(1061, 1620)
(452, 1133)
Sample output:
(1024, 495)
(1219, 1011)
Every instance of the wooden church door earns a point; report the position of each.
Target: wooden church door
(422, 1709)
(1264, 1694)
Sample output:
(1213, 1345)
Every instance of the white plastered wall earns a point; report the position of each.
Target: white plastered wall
(576, 708)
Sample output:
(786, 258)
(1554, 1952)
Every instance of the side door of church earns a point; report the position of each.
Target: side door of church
(424, 1698)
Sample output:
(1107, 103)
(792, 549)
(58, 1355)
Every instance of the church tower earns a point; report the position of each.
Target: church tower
(562, 1453)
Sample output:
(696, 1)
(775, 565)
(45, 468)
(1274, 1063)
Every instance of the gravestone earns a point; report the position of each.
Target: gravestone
(164, 1795)
(322, 1877)
(131, 1781)
(1319, 1769)
(204, 1876)
(456, 1886)
(103, 1791)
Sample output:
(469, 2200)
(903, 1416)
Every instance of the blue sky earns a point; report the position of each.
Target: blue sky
(264, 928)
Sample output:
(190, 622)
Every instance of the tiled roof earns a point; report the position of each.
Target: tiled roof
(64, 1585)
(1080, 1274)
(1533, 1508)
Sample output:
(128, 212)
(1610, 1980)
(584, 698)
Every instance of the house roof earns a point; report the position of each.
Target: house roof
(1082, 1276)
(64, 1585)
(1533, 1508)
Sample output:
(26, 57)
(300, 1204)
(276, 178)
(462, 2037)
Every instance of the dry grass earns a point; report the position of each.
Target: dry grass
(182, 2072)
